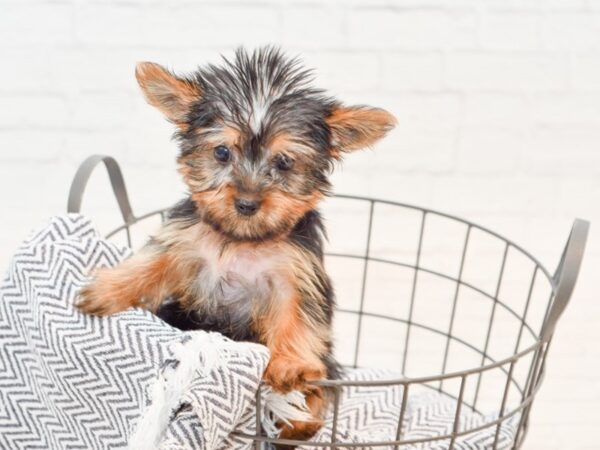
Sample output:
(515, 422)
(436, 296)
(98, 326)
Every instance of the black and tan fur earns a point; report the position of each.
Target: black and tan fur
(256, 275)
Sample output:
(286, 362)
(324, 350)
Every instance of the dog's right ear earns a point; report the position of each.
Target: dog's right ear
(172, 95)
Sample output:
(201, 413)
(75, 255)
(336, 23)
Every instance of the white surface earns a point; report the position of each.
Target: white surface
(498, 104)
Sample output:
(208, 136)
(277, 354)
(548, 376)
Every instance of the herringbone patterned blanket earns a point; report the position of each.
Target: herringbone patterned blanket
(72, 381)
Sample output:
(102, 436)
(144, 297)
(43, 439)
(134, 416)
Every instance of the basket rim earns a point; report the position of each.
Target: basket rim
(431, 378)
(516, 246)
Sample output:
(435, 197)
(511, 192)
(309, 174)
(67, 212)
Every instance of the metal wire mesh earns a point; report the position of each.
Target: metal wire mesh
(430, 279)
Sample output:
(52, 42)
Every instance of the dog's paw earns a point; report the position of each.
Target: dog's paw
(304, 430)
(99, 300)
(301, 431)
(286, 374)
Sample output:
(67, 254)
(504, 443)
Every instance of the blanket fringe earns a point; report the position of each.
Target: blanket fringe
(283, 408)
(199, 355)
(196, 354)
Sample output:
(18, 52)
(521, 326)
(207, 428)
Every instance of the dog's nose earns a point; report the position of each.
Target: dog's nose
(246, 207)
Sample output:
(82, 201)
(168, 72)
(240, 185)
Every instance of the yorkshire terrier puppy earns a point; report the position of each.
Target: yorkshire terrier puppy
(243, 253)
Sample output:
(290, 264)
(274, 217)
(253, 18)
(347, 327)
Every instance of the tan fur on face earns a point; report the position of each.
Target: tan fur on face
(219, 134)
(277, 215)
(288, 144)
(230, 136)
(282, 206)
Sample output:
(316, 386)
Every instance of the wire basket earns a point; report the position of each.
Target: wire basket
(453, 307)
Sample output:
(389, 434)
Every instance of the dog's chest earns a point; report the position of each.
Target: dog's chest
(239, 279)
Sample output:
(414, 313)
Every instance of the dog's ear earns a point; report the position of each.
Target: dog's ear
(356, 127)
(172, 95)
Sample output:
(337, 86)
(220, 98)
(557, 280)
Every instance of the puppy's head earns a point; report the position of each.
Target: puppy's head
(257, 141)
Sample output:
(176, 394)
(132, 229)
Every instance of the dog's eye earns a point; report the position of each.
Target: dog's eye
(284, 162)
(222, 153)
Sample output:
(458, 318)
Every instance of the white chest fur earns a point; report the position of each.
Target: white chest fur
(241, 276)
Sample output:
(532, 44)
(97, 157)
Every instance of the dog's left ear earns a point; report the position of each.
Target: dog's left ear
(172, 95)
(357, 127)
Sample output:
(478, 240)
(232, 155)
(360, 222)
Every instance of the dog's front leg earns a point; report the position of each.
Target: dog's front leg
(297, 345)
(145, 280)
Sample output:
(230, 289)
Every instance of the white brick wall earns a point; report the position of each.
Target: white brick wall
(498, 105)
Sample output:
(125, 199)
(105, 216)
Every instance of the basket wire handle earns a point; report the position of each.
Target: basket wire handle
(566, 275)
(116, 180)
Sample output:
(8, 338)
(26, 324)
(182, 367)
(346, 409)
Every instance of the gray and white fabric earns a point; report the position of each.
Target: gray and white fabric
(370, 414)
(68, 380)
